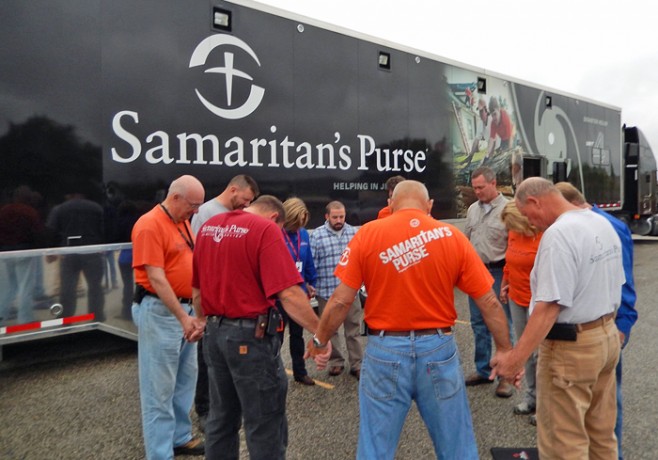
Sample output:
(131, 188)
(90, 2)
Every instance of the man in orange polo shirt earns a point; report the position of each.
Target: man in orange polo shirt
(410, 264)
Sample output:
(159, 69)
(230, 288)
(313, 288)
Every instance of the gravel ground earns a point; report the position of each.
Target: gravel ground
(76, 397)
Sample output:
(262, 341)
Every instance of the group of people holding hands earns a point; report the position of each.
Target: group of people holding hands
(552, 269)
(566, 281)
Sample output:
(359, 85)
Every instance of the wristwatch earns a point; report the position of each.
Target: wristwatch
(317, 343)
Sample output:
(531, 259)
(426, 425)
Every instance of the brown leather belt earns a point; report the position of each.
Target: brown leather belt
(596, 323)
(436, 330)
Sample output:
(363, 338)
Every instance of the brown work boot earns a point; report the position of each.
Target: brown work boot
(504, 389)
(194, 446)
(336, 370)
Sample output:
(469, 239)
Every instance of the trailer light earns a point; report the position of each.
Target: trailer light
(548, 100)
(384, 60)
(482, 85)
(221, 19)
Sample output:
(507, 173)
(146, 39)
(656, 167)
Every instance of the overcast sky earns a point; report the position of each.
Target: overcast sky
(606, 51)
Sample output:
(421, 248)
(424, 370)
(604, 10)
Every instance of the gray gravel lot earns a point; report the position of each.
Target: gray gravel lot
(76, 397)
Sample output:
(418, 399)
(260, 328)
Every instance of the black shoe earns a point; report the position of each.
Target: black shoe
(476, 379)
(194, 446)
(304, 380)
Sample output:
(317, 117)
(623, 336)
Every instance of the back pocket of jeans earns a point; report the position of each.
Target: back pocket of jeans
(380, 378)
(446, 375)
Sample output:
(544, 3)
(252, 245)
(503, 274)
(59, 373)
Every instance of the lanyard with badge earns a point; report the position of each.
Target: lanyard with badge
(189, 240)
(296, 254)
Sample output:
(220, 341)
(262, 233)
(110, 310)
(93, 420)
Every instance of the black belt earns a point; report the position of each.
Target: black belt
(180, 299)
(496, 264)
(433, 331)
(238, 322)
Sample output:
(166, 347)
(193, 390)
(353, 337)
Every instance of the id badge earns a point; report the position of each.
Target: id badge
(299, 264)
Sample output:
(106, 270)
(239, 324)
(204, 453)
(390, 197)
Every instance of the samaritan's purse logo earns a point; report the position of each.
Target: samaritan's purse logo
(199, 57)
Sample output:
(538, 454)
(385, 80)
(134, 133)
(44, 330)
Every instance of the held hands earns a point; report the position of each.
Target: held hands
(320, 355)
(193, 328)
(504, 366)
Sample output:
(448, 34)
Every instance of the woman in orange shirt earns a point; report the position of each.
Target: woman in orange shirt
(522, 243)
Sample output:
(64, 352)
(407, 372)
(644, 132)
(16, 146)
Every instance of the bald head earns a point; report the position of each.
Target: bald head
(185, 184)
(534, 187)
(541, 202)
(411, 194)
(184, 197)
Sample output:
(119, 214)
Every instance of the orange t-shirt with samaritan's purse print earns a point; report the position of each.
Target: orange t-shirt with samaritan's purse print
(410, 264)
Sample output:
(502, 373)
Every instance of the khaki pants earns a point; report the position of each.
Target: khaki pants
(576, 396)
(352, 332)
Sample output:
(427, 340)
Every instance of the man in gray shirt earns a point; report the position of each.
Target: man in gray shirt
(238, 194)
(488, 235)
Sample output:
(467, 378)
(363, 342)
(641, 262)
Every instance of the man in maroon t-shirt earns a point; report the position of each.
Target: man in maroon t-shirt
(241, 265)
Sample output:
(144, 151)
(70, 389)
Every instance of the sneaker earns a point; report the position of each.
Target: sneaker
(524, 408)
(533, 420)
(194, 446)
(476, 379)
(504, 389)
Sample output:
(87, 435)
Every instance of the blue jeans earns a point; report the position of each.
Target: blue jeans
(397, 370)
(167, 377)
(481, 332)
(247, 381)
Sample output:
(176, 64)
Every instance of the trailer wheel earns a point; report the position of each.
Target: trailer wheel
(642, 227)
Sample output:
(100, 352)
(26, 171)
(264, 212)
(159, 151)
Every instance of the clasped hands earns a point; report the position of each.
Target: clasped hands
(193, 328)
(320, 355)
(506, 367)
(193, 331)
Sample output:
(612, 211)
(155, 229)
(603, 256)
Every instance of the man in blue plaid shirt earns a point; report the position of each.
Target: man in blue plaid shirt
(327, 244)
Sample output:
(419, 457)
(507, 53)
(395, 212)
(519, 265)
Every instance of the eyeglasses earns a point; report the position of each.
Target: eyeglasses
(192, 205)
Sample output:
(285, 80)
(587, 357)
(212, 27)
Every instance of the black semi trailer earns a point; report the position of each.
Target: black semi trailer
(108, 101)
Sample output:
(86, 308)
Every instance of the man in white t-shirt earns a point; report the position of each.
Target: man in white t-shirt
(576, 289)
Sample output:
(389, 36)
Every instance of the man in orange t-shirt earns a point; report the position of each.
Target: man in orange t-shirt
(410, 264)
(166, 325)
(391, 182)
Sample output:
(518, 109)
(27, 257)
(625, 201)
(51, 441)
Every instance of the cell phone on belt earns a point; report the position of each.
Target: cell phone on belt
(274, 320)
(261, 326)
